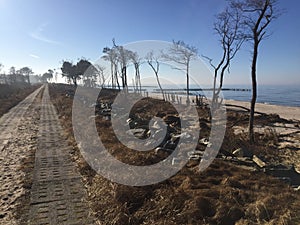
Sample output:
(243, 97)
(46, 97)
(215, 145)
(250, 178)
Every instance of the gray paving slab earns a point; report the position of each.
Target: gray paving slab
(57, 193)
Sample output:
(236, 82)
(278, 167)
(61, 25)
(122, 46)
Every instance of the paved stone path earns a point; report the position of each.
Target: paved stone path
(57, 195)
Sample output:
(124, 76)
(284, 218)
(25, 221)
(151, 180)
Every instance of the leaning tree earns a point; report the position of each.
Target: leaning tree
(228, 28)
(136, 60)
(257, 16)
(100, 74)
(154, 62)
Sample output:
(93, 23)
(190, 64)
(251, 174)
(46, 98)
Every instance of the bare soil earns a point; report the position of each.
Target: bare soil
(225, 193)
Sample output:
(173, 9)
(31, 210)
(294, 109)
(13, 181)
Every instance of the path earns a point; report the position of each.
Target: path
(17, 142)
(57, 193)
(10, 121)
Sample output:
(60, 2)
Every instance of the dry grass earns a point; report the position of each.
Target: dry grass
(222, 194)
(11, 95)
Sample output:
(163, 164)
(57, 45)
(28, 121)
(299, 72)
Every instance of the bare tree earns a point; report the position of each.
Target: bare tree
(182, 54)
(228, 28)
(111, 56)
(12, 74)
(101, 77)
(136, 62)
(123, 56)
(154, 63)
(257, 16)
(119, 57)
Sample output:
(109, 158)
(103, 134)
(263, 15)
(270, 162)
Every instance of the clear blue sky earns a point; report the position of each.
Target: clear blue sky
(41, 33)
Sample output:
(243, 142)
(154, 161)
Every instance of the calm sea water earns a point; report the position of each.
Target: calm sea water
(275, 95)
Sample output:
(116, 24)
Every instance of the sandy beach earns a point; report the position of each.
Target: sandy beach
(286, 112)
(16, 154)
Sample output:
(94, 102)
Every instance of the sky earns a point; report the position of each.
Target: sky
(41, 34)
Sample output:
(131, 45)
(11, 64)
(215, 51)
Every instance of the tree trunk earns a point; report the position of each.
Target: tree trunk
(75, 81)
(136, 81)
(28, 79)
(116, 76)
(187, 85)
(162, 92)
(123, 77)
(254, 92)
(214, 94)
(112, 75)
(137, 78)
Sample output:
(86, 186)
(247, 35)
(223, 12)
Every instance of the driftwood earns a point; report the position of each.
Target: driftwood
(245, 108)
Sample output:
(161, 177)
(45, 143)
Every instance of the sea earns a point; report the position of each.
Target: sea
(286, 95)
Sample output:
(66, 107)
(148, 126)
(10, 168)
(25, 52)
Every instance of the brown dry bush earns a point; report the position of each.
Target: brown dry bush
(222, 194)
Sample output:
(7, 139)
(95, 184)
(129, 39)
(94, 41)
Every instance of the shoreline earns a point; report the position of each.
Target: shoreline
(285, 112)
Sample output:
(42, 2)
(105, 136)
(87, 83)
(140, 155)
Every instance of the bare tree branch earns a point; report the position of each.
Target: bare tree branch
(182, 54)
(257, 16)
(229, 28)
(153, 62)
